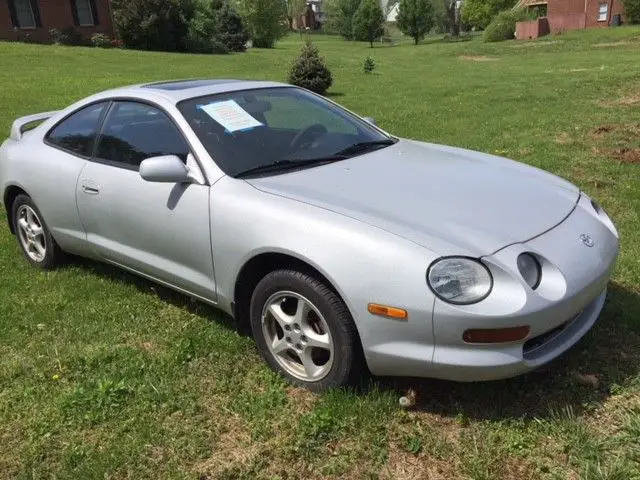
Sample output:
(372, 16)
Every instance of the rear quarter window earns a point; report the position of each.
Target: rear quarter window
(77, 133)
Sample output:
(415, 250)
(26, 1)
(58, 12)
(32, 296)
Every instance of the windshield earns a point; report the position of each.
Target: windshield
(255, 130)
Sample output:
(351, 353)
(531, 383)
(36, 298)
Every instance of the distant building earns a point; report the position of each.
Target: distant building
(556, 16)
(31, 20)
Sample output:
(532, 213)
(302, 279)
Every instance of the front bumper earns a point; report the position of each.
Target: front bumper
(559, 312)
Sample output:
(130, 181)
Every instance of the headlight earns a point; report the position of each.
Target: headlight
(529, 269)
(459, 280)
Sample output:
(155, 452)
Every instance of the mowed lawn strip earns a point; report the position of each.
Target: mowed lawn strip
(105, 375)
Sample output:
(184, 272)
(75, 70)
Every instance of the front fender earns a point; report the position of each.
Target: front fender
(364, 264)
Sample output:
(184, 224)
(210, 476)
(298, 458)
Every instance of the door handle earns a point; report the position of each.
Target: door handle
(90, 190)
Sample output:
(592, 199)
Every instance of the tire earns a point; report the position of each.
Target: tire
(34, 238)
(310, 316)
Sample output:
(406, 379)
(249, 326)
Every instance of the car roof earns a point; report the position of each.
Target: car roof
(177, 90)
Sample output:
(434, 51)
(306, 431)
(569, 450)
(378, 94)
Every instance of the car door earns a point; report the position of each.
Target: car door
(160, 230)
(69, 145)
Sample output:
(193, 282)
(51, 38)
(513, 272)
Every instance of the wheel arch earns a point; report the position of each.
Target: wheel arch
(10, 194)
(260, 265)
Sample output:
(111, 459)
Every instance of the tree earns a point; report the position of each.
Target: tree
(295, 8)
(453, 20)
(152, 24)
(231, 29)
(368, 22)
(479, 13)
(632, 10)
(266, 20)
(309, 71)
(415, 18)
(202, 27)
(339, 16)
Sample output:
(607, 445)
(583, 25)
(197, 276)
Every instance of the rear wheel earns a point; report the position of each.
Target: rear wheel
(304, 331)
(34, 237)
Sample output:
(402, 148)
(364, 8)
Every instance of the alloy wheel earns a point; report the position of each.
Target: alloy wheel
(298, 336)
(31, 233)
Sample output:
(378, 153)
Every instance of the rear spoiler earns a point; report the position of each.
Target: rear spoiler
(20, 125)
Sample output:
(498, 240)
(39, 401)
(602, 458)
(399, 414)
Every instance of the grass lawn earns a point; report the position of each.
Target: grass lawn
(104, 375)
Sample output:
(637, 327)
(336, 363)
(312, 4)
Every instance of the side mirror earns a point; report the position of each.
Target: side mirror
(371, 120)
(168, 169)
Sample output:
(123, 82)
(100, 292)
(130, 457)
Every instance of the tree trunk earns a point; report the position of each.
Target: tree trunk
(290, 23)
(371, 43)
(416, 39)
(454, 28)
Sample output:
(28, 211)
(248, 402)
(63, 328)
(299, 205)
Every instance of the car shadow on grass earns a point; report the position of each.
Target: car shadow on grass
(605, 361)
(150, 287)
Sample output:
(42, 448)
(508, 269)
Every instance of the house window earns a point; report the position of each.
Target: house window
(84, 13)
(603, 12)
(23, 15)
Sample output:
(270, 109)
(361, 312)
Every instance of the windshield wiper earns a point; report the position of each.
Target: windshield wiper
(292, 164)
(362, 147)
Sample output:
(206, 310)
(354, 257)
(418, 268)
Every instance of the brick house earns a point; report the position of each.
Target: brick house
(31, 20)
(557, 16)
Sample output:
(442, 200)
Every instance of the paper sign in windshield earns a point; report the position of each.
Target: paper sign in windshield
(230, 115)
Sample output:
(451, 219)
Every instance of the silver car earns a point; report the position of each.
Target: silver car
(342, 247)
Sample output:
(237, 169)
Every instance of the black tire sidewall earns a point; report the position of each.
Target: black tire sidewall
(51, 256)
(346, 364)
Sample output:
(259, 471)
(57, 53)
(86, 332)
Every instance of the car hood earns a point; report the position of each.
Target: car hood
(449, 200)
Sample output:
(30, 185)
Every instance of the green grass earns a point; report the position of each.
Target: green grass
(103, 375)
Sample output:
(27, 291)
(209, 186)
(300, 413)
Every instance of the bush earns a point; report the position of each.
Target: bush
(266, 19)
(152, 24)
(100, 40)
(503, 26)
(369, 65)
(368, 22)
(218, 46)
(66, 36)
(632, 10)
(310, 72)
(202, 28)
(231, 29)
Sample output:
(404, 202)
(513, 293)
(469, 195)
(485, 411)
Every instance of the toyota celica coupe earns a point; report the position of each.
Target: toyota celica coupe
(343, 247)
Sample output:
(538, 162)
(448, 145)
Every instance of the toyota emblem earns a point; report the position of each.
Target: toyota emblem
(587, 240)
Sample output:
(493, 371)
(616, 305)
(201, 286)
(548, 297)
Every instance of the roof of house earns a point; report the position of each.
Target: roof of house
(530, 3)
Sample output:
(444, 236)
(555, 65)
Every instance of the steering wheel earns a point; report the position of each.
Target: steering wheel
(305, 138)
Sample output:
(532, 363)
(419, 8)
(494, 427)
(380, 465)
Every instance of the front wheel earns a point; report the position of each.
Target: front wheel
(304, 331)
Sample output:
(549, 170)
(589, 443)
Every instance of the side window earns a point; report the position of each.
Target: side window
(134, 132)
(77, 133)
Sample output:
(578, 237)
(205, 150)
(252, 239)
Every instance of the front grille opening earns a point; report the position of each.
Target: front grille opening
(535, 343)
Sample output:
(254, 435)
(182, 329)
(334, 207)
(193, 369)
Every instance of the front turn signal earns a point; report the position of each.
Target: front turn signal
(386, 311)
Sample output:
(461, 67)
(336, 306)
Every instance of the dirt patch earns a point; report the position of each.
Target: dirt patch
(620, 142)
(402, 465)
(233, 448)
(535, 44)
(478, 58)
(629, 97)
(302, 399)
(626, 155)
(609, 419)
(602, 129)
(563, 138)
(612, 44)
